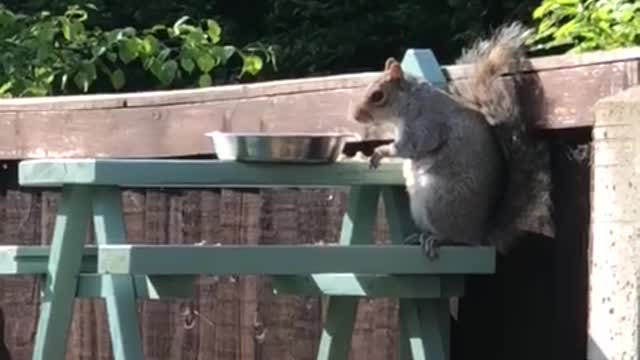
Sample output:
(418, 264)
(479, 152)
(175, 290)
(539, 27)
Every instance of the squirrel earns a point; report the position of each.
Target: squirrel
(473, 170)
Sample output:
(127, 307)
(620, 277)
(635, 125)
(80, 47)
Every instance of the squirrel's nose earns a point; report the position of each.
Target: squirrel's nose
(362, 115)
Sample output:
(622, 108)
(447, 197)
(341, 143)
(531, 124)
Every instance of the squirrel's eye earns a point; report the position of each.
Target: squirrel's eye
(376, 97)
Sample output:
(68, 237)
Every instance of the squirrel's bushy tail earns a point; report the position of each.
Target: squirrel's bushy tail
(526, 202)
(490, 58)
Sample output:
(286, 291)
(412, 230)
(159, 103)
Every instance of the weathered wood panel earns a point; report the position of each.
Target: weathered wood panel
(173, 123)
(20, 222)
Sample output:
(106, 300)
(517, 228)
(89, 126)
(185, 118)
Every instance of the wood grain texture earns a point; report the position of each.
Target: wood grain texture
(20, 294)
(172, 123)
(241, 330)
(289, 324)
(204, 173)
(158, 318)
(291, 260)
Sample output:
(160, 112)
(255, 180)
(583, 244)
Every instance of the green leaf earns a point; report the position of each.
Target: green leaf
(167, 72)
(90, 69)
(35, 90)
(97, 51)
(627, 15)
(178, 24)
(156, 28)
(228, 52)
(214, 31)
(63, 81)
(82, 81)
(164, 54)
(187, 63)
(113, 57)
(113, 36)
(196, 37)
(566, 29)
(66, 28)
(568, 2)
(117, 79)
(77, 31)
(204, 80)
(128, 31)
(128, 50)
(150, 44)
(76, 13)
(6, 87)
(251, 64)
(205, 62)
(148, 63)
(156, 67)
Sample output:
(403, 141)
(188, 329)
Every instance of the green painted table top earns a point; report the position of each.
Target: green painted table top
(199, 173)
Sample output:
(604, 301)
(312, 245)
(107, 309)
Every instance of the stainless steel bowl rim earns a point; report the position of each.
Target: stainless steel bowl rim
(279, 135)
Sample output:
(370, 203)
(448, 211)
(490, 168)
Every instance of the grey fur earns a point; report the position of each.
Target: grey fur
(463, 147)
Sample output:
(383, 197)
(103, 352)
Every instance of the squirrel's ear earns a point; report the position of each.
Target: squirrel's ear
(395, 71)
(390, 61)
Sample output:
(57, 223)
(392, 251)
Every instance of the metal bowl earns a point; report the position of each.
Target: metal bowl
(284, 147)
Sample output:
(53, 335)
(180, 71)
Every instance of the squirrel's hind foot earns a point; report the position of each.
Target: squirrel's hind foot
(428, 243)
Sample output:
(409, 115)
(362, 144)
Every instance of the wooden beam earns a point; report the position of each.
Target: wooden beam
(291, 260)
(172, 123)
(203, 173)
(29, 260)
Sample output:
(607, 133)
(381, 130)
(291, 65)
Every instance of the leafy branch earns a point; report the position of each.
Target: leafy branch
(48, 54)
(587, 25)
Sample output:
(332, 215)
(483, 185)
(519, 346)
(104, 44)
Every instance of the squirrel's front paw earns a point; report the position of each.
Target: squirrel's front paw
(374, 160)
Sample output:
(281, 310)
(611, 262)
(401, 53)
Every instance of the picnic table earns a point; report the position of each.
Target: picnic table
(121, 273)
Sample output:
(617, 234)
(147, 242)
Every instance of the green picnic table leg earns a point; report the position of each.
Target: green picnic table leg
(121, 304)
(357, 226)
(424, 324)
(67, 243)
(425, 329)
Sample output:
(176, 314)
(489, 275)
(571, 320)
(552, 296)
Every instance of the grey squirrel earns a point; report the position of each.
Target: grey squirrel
(475, 174)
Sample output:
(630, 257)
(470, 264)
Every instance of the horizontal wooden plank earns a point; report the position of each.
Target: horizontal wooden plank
(168, 130)
(401, 286)
(197, 173)
(292, 260)
(188, 96)
(559, 62)
(28, 260)
(33, 260)
(36, 251)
